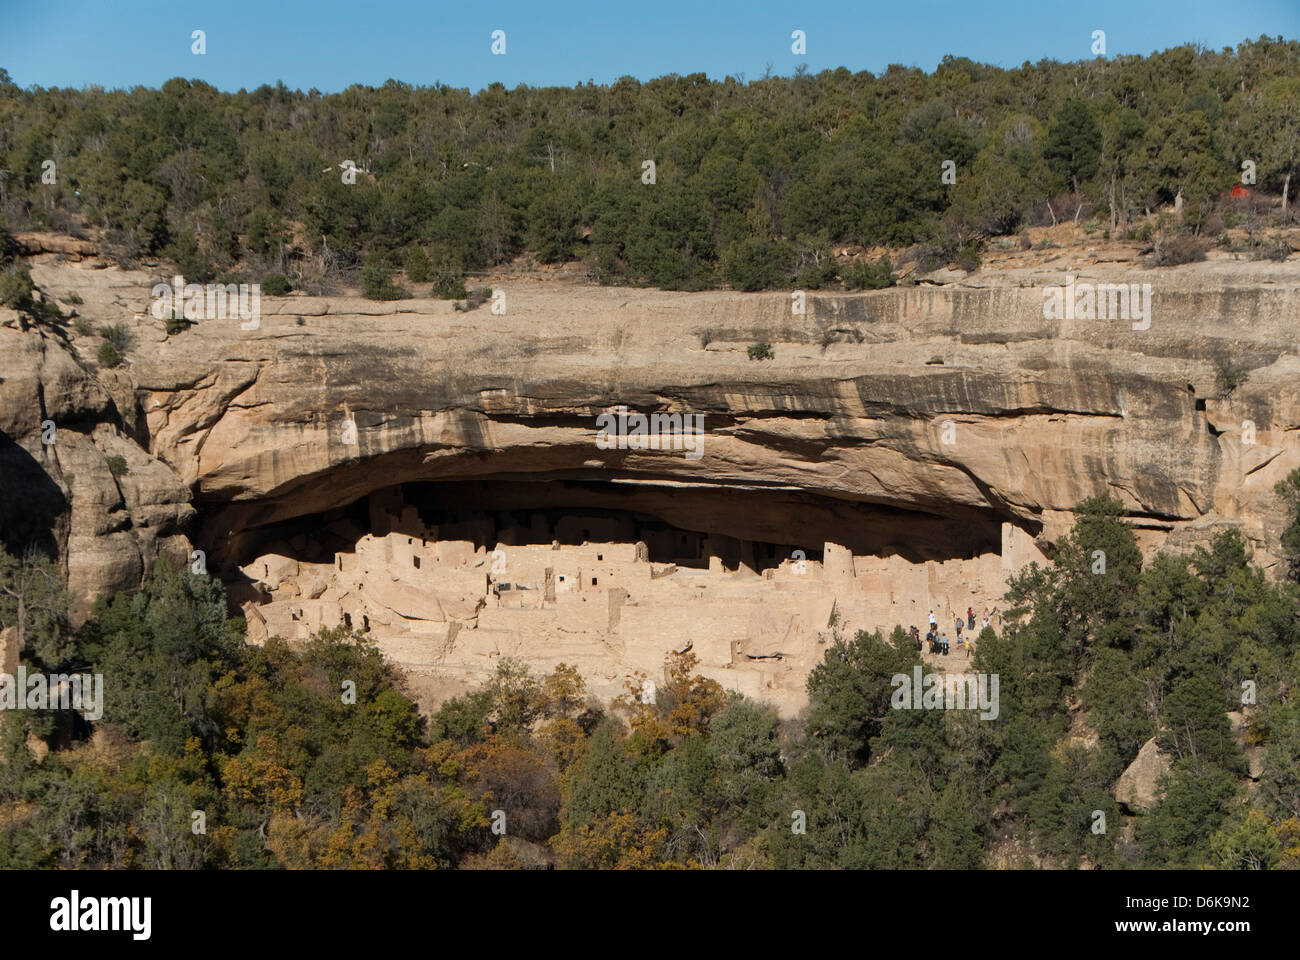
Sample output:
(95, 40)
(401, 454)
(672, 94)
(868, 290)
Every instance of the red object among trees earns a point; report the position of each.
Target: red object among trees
(1240, 191)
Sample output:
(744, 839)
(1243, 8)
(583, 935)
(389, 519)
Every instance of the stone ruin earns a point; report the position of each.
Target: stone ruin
(446, 601)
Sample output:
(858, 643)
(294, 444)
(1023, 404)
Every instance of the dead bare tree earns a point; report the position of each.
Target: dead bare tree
(30, 587)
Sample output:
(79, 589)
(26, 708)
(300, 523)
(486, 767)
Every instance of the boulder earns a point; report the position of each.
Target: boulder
(411, 602)
(1136, 787)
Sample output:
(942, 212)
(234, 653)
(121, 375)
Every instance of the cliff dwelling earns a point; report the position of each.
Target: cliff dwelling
(449, 577)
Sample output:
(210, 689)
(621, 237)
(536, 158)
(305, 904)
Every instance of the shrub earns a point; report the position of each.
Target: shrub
(474, 299)
(276, 285)
(604, 266)
(176, 323)
(761, 351)
(317, 285)
(968, 257)
(816, 276)
(1179, 248)
(108, 355)
(82, 326)
(117, 466)
(117, 335)
(861, 275)
(1277, 250)
(449, 281)
(74, 299)
(16, 286)
(933, 255)
(1229, 374)
(419, 269)
(755, 264)
(706, 338)
(841, 334)
(189, 259)
(377, 280)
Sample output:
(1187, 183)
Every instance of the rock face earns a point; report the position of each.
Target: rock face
(1137, 785)
(61, 487)
(924, 418)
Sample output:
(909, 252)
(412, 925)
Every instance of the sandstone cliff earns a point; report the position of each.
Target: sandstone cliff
(958, 401)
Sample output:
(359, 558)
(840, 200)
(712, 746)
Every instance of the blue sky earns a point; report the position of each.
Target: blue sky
(330, 44)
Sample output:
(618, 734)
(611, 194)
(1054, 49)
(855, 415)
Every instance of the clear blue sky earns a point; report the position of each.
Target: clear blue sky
(330, 44)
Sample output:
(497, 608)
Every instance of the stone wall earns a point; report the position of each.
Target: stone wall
(450, 609)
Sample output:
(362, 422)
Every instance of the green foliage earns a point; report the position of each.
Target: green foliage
(117, 465)
(553, 222)
(761, 351)
(1247, 840)
(449, 280)
(969, 257)
(34, 603)
(419, 268)
(164, 647)
(1196, 724)
(176, 322)
(1288, 491)
(463, 720)
(515, 697)
(276, 285)
(757, 264)
(107, 355)
(1193, 805)
(377, 280)
(861, 275)
(1073, 146)
(849, 693)
(856, 820)
(750, 175)
(191, 262)
(603, 780)
(117, 335)
(16, 286)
